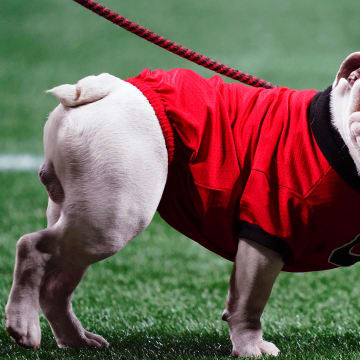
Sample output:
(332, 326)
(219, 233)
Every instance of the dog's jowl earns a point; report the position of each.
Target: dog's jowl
(266, 178)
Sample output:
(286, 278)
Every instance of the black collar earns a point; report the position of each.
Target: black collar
(329, 140)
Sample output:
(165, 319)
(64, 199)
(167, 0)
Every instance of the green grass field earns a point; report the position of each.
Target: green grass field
(162, 296)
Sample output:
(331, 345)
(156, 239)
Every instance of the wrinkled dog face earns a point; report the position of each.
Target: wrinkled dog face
(345, 104)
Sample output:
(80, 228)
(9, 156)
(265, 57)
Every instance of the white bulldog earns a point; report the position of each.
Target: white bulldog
(105, 169)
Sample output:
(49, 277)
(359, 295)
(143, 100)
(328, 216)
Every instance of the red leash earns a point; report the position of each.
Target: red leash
(173, 47)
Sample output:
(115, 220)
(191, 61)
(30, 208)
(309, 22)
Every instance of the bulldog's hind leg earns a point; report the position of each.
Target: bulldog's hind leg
(34, 253)
(55, 301)
(98, 220)
(254, 273)
(47, 271)
(21, 314)
(58, 285)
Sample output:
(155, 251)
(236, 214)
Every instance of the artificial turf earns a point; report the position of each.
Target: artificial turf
(163, 295)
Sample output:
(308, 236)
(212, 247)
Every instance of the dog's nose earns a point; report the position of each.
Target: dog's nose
(354, 76)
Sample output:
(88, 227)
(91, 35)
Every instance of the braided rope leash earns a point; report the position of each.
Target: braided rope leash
(174, 47)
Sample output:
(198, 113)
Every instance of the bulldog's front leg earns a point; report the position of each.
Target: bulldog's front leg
(253, 276)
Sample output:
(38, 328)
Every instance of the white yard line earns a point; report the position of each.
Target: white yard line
(20, 162)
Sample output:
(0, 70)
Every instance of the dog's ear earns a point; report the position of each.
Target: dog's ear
(351, 63)
(87, 90)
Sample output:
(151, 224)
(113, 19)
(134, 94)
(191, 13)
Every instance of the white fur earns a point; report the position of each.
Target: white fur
(120, 157)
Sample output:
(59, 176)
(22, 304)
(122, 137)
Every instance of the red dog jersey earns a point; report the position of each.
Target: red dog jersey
(261, 164)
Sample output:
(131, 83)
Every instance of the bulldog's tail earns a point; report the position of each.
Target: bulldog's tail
(86, 90)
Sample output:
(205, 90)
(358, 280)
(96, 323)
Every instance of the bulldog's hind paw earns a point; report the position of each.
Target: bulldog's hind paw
(86, 340)
(23, 326)
(256, 350)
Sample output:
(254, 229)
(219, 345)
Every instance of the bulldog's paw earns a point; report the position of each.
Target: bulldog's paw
(255, 350)
(85, 340)
(23, 326)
